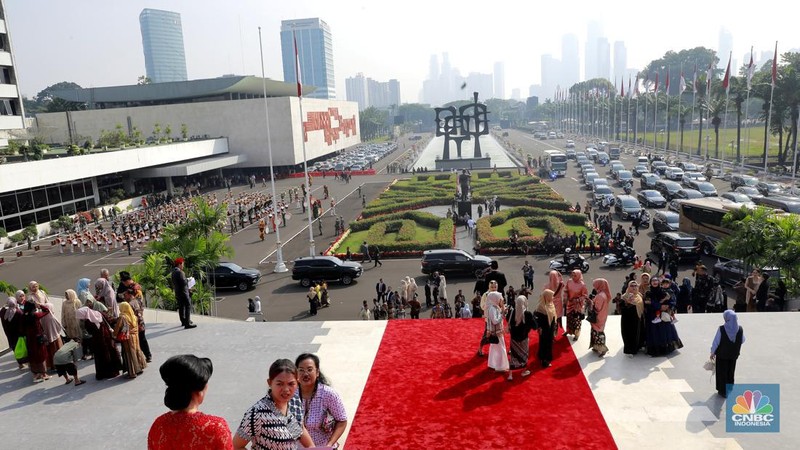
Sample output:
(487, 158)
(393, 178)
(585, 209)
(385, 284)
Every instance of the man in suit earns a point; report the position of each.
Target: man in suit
(181, 287)
(380, 290)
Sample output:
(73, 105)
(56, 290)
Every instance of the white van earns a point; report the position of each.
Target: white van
(642, 160)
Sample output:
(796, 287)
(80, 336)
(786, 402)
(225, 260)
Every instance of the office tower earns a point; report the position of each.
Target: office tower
(162, 41)
(315, 52)
(499, 80)
(433, 71)
(482, 83)
(394, 93)
(724, 49)
(570, 64)
(551, 69)
(356, 91)
(593, 35)
(620, 60)
(603, 58)
(11, 111)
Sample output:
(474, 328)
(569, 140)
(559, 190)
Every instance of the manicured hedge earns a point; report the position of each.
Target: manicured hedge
(525, 217)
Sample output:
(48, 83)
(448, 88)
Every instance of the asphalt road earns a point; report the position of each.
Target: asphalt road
(283, 299)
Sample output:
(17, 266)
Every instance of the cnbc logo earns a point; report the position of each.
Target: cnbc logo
(753, 408)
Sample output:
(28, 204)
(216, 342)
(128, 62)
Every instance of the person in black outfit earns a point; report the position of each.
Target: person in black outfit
(181, 287)
(495, 275)
(725, 350)
(377, 255)
(762, 294)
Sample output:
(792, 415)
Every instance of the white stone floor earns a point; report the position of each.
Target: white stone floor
(489, 146)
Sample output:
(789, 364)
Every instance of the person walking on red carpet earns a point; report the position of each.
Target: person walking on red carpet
(600, 305)
(555, 280)
(546, 319)
(498, 355)
(482, 306)
(577, 295)
(520, 324)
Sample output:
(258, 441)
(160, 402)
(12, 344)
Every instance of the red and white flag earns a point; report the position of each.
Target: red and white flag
(751, 70)
(681, 84)
(709, 75)
(655, 89)
(775, 66)
(726, 82)
(297, 66)
(636, 86)
(666, 84)
(630, 93)
(622, 88)
(694, 79)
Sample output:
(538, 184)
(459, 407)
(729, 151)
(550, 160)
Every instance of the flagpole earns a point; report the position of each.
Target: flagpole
(681, 88)
(646, 89)
(280, 266)
(769, 115)
(727, 97)
(794, 164)
(655, 117)
(312, 249)
(666, 132)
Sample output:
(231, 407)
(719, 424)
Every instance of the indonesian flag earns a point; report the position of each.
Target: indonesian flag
(630, 93)
(681, 84)
(694, 79)
(655, 89)
(666, 85)
(751, 69)
(297, 66)
(636, 86)
(726, 82)
(775, 66)
(709, 75)
(622, 88)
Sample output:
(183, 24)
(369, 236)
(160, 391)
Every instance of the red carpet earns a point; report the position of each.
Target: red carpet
(428, 390)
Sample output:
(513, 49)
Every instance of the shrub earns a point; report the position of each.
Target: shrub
(482, 175)
(407, 231)
(442, 176)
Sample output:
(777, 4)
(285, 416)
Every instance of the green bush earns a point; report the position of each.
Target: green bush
(442, 176)
(482, 175)
(407, 231)
(376, 232)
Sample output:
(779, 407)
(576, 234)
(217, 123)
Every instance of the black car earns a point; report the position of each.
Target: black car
(230, 275)
(666, 221)
(627, 207)
(453, 261)
(678, 243)
(730, 272)
(651, 198)
(310, 269)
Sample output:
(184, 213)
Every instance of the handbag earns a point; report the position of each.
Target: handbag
(122, 336)
(21, 349)
(591, 315)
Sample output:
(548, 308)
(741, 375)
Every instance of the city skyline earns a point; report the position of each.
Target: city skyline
(368, 38)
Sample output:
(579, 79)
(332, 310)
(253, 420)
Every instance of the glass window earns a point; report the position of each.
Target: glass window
(66, 192)
(24, 200)
(43, 216)
(81, 205)
(87, 187)
(53, 195)
(12, 224)
(91, 202)
(69, 208)
(27, 219)
(56, 212)
(9, 204)
(77, 189)
(39, 198)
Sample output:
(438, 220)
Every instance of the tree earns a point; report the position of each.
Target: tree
(46, 100)
(184, 131)
(157, 132)
(143, 79)
(716, 108)
(372, 123)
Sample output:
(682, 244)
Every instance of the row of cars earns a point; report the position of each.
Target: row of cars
(360, 157)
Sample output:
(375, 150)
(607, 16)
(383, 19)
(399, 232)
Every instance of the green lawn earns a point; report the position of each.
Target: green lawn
(501, 231)
(750, 148)
(355, 239)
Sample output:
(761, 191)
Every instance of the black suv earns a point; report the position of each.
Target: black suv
(678, 243)
(453, 261)
(309, 269)
(230, 275)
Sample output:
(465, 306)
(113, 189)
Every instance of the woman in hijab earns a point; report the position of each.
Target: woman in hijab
(105, 294)
(684, 296)
(554, 282)
(546, 318)
(71, 304)
(631, 320)
(520, 324)
(577, 294)
(725, 350)
(600, 304)
(35, 341)
(644, 284)
(498, 359)
(52, 332)
(11, 317)
(106, 357)
(662, 336)
(127, 329)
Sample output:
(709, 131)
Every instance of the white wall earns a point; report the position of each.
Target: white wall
(241, 121)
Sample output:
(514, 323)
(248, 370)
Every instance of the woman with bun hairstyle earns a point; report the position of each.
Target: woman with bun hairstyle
(184, 426)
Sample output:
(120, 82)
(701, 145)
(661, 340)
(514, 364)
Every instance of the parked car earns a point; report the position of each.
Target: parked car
(673, 173)
(668, 188)
(570, 152)
(648, 180)
(600, 192)
(683, 245)
(769, 188)
(729, 272)
(651, 198)
(704, 187)
(688, 166)
(639, 170)
(231, 275)
(738, 197)
(743, 180)
(602, 158)
(787, 204)
(692, 176)
(624, 176)
(658, 167)
(452, 261)
(627, 207)
(666, 221)
(309, 269)
(749, 191)
(687, 194)
(589, 179)
(570, 143)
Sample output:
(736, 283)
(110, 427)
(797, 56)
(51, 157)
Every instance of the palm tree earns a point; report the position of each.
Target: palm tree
(682, 110)
(716, 108)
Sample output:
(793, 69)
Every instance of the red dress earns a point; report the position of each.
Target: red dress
(180, 430)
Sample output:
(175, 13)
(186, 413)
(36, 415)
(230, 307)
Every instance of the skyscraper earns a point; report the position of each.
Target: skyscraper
(551, 69)
(162, 41)
(620, 60)
(499, 80)
(603, 58)
(356, 91)
(593, 35)
(724, 49)
(570, 64)
(315, 51)
(394, 92)
(11, 111)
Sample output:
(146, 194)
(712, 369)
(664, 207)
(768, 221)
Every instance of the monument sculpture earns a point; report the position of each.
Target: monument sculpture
(459, 125)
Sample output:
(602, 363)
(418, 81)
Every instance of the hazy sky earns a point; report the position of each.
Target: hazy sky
(98, 42)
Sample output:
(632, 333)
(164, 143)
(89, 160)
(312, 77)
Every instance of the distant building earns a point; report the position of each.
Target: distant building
(551, 71)
(371, 93)
(620, 60)
(570, 64)
(162, 41)
(516, 94)
(356, 91)
(11, 111)
(725, 47)
(315, 52)
(394, 92)
(499, 80)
